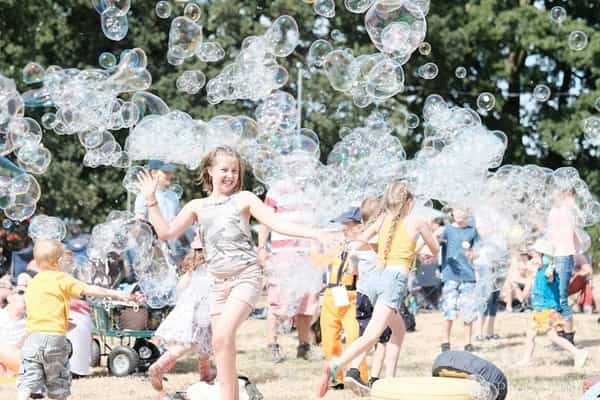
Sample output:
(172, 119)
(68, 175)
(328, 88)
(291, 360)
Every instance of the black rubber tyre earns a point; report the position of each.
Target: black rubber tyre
(95, 359)
(122, 361)
(147, 353)
(457, 364)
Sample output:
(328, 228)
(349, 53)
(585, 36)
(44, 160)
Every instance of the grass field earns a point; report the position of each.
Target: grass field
(551, 377)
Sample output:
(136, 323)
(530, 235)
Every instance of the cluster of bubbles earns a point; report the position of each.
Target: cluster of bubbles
(44, 227)
(255, 72)
(591, 129)
(113, 17)
(130, 240)
(87, 104)
(191, 82)
(324, 8)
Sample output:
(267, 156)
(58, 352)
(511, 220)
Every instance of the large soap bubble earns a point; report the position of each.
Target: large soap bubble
(45, 227)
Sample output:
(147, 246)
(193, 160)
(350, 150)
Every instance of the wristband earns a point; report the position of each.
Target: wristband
(152, 203)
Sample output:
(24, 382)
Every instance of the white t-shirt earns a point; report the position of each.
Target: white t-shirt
(367, 263)
(11, 331)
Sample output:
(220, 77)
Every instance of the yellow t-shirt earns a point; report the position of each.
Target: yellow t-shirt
(47, 301)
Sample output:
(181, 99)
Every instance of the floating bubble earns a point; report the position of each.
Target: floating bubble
(425, 48)
(192, 11)
(45, 227)
(412, 120)
(114, 24)
(210, 52)
(184, 37)
(130, 114)
(7, 224)
(358, 6)
(486, 101)
(591, 127)
(324, 8)
(558, 14)
(338, 71)
(337, 36)
(283, 36)
(317, 52)
(460, 72)
(541, 93)
(386, 79)
(428, 71)
(34, 158)
(107, 60)
(577, 40)
(33, 73)
(191, 82)
(163, 9)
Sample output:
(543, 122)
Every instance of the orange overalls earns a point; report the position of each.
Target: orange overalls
(334, 319)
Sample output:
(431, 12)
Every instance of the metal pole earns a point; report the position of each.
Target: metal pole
(299, 101)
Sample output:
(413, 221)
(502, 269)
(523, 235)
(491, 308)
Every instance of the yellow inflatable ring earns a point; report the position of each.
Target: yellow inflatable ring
(424, 388)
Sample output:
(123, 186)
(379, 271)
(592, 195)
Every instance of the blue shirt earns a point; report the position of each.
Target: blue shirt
(545, 294)
(456, 266)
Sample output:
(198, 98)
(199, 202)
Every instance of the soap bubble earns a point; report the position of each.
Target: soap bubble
(486, 101)
(577, 40)
(107, 60)
(184, 37)
(558, 14)
(163, 9)
(460, 72)
(191, 82)
(425, 48)
(33, 73)
(192, 11)
(283, 36)
(591, 128)
(412, 120)
(114, 24)
(385, 79)
(358, 6)
(45, 227)
(210, 52)
(541, 93)
(7, 224)
(428, 71)
(338, 71)
(324, 8)
(317, 52)
(337, 36)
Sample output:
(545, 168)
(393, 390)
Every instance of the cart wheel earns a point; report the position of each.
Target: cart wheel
(95, 360)
(147, 353)
(122, 361)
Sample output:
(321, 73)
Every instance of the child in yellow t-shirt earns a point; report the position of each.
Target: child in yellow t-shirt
(45, 353)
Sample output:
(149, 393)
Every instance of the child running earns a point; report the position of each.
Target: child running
(545, 299)
(46, 351)
(387, 286)
(231, 257)
(187, 327)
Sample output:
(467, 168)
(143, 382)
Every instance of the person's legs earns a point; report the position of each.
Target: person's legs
(207, 373)
(529, 348)
(9, 358)
(564, 267)
(164, 364)
(450, 295)
(377, 360)
(225, 327)
(490, 327)
(392, 352)
(331, 329)
(351, 329)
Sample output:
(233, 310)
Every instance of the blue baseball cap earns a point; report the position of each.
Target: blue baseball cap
(350, 215)
(163, 166)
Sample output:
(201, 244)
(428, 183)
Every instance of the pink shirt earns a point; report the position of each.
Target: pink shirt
(561, 230)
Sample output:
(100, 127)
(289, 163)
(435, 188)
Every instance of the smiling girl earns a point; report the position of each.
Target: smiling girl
(230, 255)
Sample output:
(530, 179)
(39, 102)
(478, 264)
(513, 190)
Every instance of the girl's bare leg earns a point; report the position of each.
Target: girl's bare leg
(225, 327)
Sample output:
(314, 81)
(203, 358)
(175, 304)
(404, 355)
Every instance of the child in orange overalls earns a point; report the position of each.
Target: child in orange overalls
(338, 311)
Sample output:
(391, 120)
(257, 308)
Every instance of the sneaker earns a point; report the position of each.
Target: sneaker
(492, 337)
(372, 380)
(580, 358)
(480, 338)
(353, 381)
(276, 354)
(337, 386)
(445, 347)
(470, 348)
(303, 351)
(328, 376)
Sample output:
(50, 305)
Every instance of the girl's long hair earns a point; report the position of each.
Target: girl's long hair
(209, 160)
(396, 201)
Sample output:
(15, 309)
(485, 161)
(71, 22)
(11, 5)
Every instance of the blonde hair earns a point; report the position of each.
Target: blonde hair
(209, 161)
(396, 201)
(47, 252)
(370, 209)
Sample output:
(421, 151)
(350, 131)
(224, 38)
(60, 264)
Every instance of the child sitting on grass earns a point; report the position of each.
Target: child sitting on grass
(46, 351)
(545, 299)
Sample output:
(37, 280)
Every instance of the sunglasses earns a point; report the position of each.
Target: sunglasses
(20, 292)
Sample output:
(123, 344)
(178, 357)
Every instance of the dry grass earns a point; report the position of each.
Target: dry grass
(551, 377)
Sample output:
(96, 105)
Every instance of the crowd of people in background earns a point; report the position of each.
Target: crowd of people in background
(391, 258)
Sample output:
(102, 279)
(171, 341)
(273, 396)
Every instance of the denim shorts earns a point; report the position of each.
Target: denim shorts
(364, 312)
(45, 366)
(387, 286)
(564, 267)
(491, 307)
(455, 293)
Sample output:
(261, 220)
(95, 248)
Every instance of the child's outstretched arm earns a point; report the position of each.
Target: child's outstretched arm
(98, 291)
(428, 238)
